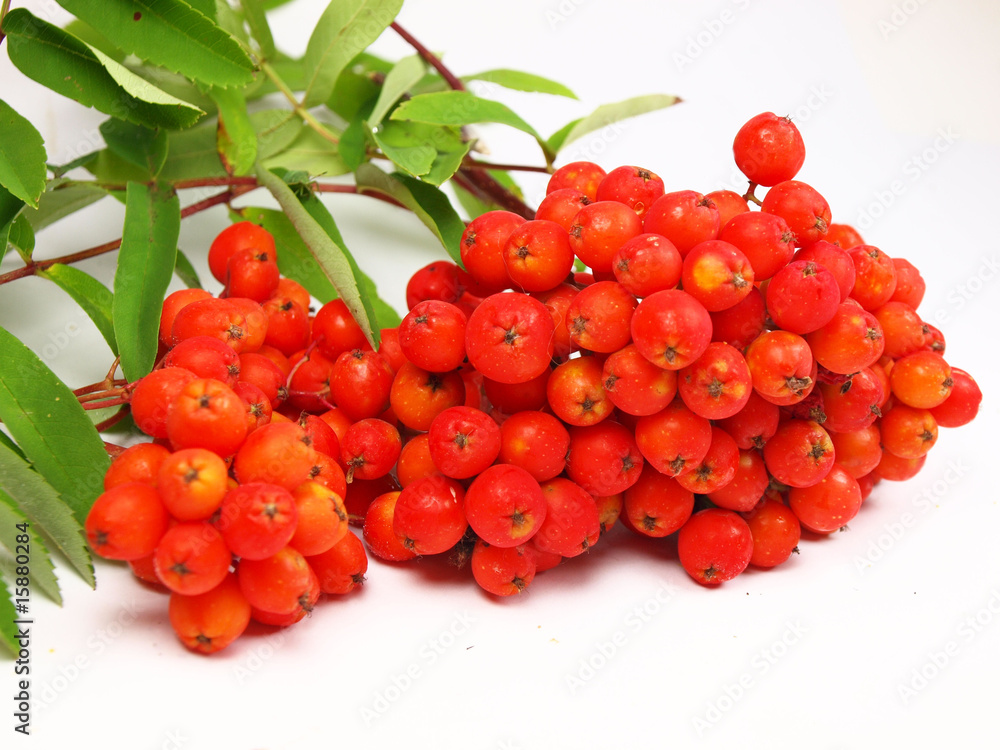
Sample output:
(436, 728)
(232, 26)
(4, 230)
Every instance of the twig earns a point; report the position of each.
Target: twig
(450, 78)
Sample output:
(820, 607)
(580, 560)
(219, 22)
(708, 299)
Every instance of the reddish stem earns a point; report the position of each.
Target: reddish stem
(450, 78)
(111, 421)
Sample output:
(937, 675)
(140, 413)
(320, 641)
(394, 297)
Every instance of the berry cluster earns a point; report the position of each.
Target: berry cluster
(234, 508)
(726, 374)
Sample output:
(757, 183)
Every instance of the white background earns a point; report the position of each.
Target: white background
(898, 106)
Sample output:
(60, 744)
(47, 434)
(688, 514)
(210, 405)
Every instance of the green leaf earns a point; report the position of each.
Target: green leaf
(145, 265)
(398, 81)
(206, 7)
(457, 108)
(10, 207)
(136, 144)
(346, 28)
(192, 154)
(276, 129)
(50, 426)
(42, 572)
(22, 237)
(86, 33)
(8, 630)
(40, 501)
(431, 152)
(294, 259)
(169, 33)
(90, 294)
(59, 170)
(518, 80)
(607, 114)
(185, 271)
(353, 146)
(326, 244)
(236, 139)
(430, 205)
(22, 156)
(309, 152)
(61, 202)
(66, 65)
(259, 28)
(355, 89)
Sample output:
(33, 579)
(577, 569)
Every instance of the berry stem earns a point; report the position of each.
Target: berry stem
(429, 57)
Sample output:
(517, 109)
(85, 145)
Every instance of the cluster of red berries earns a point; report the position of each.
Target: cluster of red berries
(234, 508)
(729, 375)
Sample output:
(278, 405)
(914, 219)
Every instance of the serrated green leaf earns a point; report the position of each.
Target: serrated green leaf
(86, 33)
(457, 108)
(207, 7)
(90, 294)
(294, 259)
(69, 67)
(259, 28)
(144, 147)
(185, 271)
(169, 33)
(42, 572)
(61, 201)
(398, 81)
(309, 152)
(346, 28)
(50, 426)
(48, 509)
(22, 237)
(22, 156)
(413, 157)
(10, 207)
(430, 205)
(355, 89)
(236, 139)
(231, 20)
(355, 139)
(8, 630)
(327, 246)
(192, 154)
(518, 80)
(108, 167)
(608, 114)
(276, 129)
(145, 264)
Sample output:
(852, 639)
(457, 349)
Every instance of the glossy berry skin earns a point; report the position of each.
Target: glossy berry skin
(804, 210)
(599, 230)
(781, 366)
(657, 505)
(754, 424)
(875, 280)
(635, 385)
(463, 441)
(342, 568)
(775, 530)
(378, 531)
(769, 149)
(829, 504)
(800, 454)
(802, 297)
(575, 392)
(674, 440)
(572, 524)
(599, 317)
(207, 414)
(718, 467)
(482, 247)
(763, 238)
(361, 382)
(834, 259)
(636, 187)
(538, 255)
(437, 280)
(748, 485)
(432, 336)
(717, 274)
(192, 558)
(509, 338)
(922, 380)
(962, 404)
(335, 330)
(536, 442)
(685, 217)
(604, 458)
(671, 329)
(717, 384)
(429, 515)
(740, 324)
(126, 522)
(243, 235)
(714, 546)
(137, 463)
(502, 571)
(257, 520)
(279, 584)
(562, 206)
(209, 622)
(584, 176)
(851, 341)
(647, 263)
(505, 506)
